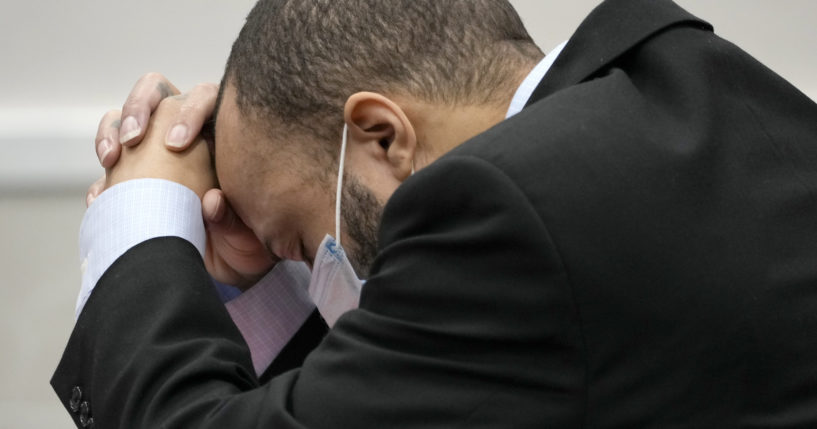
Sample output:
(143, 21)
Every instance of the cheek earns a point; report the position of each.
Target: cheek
(378, 178)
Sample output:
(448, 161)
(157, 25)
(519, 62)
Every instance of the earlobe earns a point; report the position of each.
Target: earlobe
(380, 127)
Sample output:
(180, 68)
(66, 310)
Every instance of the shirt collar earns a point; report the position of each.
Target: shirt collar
(525, 90)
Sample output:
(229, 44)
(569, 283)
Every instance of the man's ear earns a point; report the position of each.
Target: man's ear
(381, 128)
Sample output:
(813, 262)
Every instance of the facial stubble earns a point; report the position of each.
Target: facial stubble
(361, 219)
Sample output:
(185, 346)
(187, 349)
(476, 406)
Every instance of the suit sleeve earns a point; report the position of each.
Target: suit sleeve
(465, 319)
(308, 337)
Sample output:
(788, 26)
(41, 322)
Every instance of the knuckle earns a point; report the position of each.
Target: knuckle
(132, 104)
(112, 115)
(205, 88)
(168, 103)
(108, 119)
(153, 77)
(94, 188)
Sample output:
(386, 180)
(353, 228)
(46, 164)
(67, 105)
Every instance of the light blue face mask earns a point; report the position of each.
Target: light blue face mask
(334, 286)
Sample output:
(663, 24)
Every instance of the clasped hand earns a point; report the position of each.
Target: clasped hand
(157, 135)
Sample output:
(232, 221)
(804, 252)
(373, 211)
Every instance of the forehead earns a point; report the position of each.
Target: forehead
(263, 137)
(226, 110)
(243, 137)
(249, 156)
(230, 134)
(270, 187)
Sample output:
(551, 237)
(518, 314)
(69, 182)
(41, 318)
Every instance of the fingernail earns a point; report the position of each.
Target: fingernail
(103, 149)
(177, 136)
(209, 209)
(212, 208)
(130, 129)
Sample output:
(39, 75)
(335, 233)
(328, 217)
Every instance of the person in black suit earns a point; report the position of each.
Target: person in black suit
(636, 248)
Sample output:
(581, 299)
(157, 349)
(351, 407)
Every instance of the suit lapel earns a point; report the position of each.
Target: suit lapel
(613, 28)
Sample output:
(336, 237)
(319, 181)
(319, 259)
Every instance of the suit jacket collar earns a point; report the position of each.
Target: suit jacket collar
(613, 28)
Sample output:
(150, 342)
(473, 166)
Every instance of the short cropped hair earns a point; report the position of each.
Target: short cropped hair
(300, 60)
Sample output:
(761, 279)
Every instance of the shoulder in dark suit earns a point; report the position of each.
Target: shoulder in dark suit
(637, 248)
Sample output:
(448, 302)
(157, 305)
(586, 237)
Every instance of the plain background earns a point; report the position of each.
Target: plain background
(64, 63)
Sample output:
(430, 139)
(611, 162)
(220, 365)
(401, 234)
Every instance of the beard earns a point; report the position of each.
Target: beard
(361, 218)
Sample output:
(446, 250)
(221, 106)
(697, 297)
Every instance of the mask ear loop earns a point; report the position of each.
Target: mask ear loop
(340, 182)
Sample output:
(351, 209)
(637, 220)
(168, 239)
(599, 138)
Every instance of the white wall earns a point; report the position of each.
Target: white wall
(64, 63)
(67, 62)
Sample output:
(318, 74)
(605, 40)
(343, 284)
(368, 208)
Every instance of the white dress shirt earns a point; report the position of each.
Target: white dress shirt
(268, 315)
(526, 88)
(271, 312)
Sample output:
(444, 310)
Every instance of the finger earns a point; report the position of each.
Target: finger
(214, 206)
(224, 225)
(197, 107)
(94, 191)
(107, 139)
(234, 254)
(142, 101)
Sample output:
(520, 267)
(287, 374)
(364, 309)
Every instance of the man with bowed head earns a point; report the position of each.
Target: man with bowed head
(621, 233)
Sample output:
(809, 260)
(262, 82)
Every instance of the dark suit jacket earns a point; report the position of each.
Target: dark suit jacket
(637, 248)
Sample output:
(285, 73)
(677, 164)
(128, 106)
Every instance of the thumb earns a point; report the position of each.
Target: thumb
(215, 210)
(225, 227)
(234, 253)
